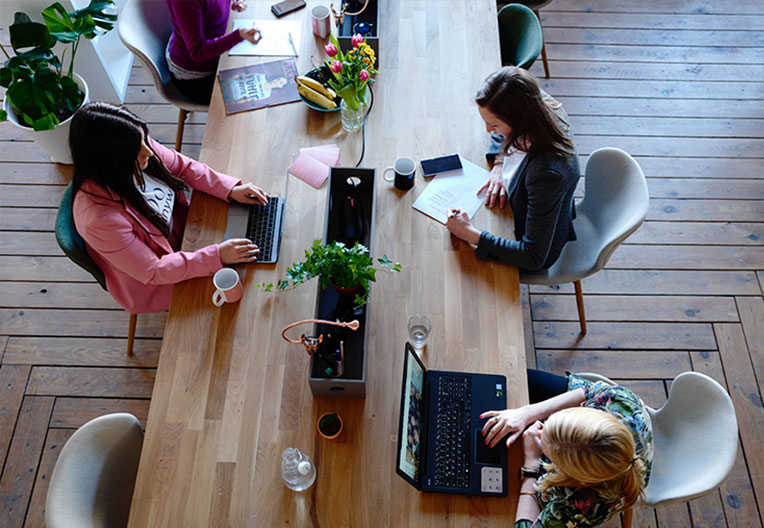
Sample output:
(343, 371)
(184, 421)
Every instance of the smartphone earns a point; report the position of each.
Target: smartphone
(433, 166)
(287, 6)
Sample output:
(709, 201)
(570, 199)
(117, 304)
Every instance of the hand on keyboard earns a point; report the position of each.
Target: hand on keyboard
(249, 193)
(237, 251)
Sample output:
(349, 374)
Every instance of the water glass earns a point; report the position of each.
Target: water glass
(419, 328)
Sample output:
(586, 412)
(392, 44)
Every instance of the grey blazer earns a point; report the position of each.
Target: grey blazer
(541, 198)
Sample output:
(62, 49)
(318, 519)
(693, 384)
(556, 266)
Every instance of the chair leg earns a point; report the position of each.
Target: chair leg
(543, 47)
(182, 115)
(131, 334)
(626, 520)
(580, 306)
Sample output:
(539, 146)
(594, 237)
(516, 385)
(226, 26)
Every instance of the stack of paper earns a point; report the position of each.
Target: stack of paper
(278, 37)
(312, 165)
(452, 190)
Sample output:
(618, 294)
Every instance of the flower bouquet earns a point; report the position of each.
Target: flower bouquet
(352, 72)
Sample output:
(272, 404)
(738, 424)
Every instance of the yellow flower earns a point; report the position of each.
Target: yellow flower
(366, 61)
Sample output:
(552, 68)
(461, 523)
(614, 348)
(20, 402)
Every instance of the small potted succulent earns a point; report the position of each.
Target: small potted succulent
(329, 425)
(42, 95)
(348, 269)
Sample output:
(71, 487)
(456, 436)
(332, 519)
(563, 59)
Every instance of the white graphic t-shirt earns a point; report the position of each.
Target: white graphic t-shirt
(158, 195)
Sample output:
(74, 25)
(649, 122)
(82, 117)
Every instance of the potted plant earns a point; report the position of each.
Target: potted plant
(348, 269)
(352, 72)
(329, 425)
(42, 95)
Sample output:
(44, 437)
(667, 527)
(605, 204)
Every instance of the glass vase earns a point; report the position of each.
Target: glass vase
(352, 120)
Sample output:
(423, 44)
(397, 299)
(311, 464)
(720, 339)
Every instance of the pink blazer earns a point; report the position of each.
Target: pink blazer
(139, 264)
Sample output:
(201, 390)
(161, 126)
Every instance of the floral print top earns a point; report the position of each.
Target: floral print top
(564, 507)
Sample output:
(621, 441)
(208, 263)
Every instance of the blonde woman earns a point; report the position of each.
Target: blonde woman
(590, 460)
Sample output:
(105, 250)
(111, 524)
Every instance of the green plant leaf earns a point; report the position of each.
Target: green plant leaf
(27, 34)
(3, 115)
(59, 23)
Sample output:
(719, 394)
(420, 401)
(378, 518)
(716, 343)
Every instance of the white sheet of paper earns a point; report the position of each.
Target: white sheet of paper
(451, 190)
(275, 38)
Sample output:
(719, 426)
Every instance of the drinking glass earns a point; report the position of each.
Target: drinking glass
(419, 328)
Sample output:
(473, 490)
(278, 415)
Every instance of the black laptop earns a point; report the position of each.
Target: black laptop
(440, 445)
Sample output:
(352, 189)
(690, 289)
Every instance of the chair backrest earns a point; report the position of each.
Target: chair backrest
(92, 483)
(695, 439)
(145, 27)
(520, 36)
(70, 240)
(615, 204)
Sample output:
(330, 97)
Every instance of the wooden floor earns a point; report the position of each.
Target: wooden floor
(677, 84)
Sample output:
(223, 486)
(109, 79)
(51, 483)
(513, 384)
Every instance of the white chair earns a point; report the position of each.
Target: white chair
(92, 483)
(615, 204)
(695, 438)
(145, 27)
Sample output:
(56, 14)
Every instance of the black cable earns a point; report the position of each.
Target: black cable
(363, 128)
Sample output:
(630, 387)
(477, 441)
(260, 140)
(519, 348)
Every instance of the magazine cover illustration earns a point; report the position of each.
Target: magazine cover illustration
(259, 85)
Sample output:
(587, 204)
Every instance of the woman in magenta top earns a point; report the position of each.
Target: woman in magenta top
(198, 39)
(130, 208)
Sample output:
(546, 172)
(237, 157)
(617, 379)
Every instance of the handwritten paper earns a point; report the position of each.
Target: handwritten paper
(275, 39)
(451, 190)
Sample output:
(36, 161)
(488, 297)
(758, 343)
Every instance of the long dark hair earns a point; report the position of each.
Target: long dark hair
(513, 95)
(105, 141)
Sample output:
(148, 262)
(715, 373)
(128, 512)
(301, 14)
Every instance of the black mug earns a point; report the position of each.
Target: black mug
(404, 169)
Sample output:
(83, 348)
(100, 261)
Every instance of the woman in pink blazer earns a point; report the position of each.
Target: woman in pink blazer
(130, 209)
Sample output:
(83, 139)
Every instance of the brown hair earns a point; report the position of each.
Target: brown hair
(513, 95)
(592, 448)
(105, 141)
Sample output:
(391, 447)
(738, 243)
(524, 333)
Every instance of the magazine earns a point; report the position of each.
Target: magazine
(259, 85)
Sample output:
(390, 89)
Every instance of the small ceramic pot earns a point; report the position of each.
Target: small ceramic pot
(325, 435)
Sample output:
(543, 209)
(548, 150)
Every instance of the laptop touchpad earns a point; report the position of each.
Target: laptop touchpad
(485, 454)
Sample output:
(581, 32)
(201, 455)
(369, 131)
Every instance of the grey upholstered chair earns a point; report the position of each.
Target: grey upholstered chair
(615, 204)
(92, 483)
(145, 28)
(684, 467)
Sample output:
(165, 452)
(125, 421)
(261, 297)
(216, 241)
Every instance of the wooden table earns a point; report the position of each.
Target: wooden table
(230, 394)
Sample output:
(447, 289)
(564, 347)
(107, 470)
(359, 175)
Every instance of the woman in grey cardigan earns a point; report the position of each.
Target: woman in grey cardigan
(535, 172)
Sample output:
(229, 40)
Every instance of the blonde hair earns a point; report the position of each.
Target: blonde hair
(592, 448)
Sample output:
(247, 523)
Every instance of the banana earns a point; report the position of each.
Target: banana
(315, 97)
(317, 86)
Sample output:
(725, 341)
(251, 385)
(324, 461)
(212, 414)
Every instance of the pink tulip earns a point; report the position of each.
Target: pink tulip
(336, 66)
(364, 75)
(330, 50)
(357, 39)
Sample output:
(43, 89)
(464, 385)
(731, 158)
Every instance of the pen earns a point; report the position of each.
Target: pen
(341, 359)
(452, 215)
(291, 43)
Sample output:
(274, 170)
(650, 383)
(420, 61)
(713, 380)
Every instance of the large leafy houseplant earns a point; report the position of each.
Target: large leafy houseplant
(346, 268)
(40, 92)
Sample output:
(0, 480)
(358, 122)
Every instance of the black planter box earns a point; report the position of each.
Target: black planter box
(349, 218)
(370, 16)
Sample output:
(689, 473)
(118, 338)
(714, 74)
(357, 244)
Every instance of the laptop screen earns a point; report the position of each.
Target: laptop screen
(412, 414)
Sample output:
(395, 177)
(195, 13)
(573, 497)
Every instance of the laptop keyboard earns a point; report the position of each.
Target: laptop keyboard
(452, 432)
(264, 226)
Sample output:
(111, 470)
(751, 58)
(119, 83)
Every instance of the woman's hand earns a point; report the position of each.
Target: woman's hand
(237, 251)
(532, 445)
(507, 422)
(249, 193)
(252, 35)
(238, 5)
(458, 223)
(496, 194)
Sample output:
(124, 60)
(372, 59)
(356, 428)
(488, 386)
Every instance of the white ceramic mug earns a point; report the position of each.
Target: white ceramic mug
(228, 287)
(320, 21)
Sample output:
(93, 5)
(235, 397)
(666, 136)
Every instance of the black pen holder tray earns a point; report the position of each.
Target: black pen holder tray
(370, 15)
(349, 219)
